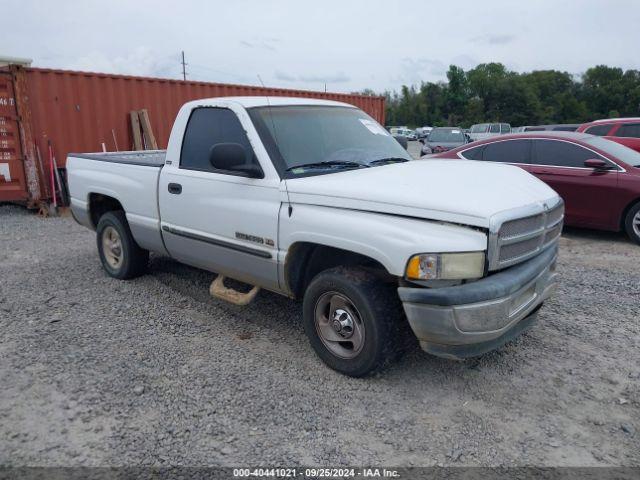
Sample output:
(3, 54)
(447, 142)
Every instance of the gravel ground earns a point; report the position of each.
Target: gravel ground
(153, 371)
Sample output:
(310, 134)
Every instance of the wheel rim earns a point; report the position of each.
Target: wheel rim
(112, 247)
(339, 325)
(635, 223)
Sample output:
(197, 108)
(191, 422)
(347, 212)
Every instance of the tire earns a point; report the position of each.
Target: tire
(125, 259)
(632, 223)
(372, 308)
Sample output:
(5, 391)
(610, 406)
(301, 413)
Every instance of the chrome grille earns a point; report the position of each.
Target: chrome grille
(555, 215)
(517, 250)
(553, 233)
(513, 228)
(517, 240)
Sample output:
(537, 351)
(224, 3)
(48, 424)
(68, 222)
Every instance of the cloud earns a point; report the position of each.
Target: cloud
(285, 77)
(424, 65)
(139, 61)
(467, 62)
(262, 42)
(339, 77)
(494, 39)
(412, 71)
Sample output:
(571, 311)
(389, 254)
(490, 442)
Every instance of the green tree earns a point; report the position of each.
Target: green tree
(490, 92)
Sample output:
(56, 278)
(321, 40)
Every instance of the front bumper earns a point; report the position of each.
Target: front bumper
(472, 319)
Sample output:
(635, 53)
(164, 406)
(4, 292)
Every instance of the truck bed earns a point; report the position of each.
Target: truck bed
(146, 158)
(130, 178)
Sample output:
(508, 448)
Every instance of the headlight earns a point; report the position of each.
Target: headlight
(446, 266)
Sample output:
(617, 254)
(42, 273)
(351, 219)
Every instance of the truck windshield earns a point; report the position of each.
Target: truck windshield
(303, 139)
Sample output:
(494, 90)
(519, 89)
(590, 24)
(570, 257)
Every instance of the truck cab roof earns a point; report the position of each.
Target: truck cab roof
(264, 101)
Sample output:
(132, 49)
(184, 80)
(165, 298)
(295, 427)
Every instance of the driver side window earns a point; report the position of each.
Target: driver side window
(209, 126)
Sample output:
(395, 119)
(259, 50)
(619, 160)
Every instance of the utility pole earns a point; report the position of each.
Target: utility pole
(184, 72)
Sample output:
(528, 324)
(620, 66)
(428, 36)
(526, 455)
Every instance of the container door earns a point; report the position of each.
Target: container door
(12, 178)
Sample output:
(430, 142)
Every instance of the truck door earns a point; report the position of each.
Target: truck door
(220, 220)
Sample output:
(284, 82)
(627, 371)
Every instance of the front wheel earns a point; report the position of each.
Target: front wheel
(632, 223)
(352, 320)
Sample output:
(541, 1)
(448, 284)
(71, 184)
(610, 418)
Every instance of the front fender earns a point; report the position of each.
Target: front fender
(389, 239)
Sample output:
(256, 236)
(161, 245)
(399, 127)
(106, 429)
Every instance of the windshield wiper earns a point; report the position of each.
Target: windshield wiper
(385, 161)
(329, 164)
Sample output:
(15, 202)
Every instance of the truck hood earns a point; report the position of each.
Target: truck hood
(458, 191)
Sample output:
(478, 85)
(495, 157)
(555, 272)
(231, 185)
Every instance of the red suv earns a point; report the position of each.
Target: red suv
(599, 180)
(622, 130)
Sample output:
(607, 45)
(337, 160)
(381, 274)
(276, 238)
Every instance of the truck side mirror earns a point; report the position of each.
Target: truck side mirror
(233, 157)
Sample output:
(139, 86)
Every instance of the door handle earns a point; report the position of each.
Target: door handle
(175, 188)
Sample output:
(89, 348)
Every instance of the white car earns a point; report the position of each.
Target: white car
(463, 251)
(405, 132)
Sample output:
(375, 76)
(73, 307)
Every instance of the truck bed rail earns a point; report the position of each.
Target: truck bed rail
(147, 158)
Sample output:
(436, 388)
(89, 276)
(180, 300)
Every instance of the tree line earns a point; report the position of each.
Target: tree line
(491, 93)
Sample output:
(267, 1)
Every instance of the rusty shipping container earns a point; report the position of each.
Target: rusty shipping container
(81, 111)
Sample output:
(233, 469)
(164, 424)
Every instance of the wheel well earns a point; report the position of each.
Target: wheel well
(100, 204)
(305, 260)
(623, 217)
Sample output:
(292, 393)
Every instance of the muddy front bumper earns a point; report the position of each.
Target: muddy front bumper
(472, 319)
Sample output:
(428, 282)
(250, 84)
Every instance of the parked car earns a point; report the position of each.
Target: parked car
(402, 140)
(622, 130)
(481, 131)
(342, 220)
(562, 127)
(598, 179)
(423, 132)
(442, 139)
(403, 131)
(566, 127)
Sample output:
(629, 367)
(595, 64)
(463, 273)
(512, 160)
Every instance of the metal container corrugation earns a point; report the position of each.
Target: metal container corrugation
(77, 111)
(81, 111)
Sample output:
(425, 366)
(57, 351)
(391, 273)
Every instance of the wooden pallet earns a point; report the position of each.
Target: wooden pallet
(142, 133)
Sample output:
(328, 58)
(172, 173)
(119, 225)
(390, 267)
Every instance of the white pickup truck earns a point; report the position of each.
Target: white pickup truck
(316, 201)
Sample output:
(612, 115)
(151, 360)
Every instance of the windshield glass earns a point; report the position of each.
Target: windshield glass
(302, 135)
(617, 150)
(451, 135)
(480, 128)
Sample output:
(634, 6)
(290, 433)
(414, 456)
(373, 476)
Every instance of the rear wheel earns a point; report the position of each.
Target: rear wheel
(120, 255)
(352, 320)
(632, 223)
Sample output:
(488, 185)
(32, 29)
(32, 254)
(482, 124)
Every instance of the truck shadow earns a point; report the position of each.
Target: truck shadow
(281, 317)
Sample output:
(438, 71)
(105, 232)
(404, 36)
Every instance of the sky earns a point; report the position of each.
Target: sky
(347, 45)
